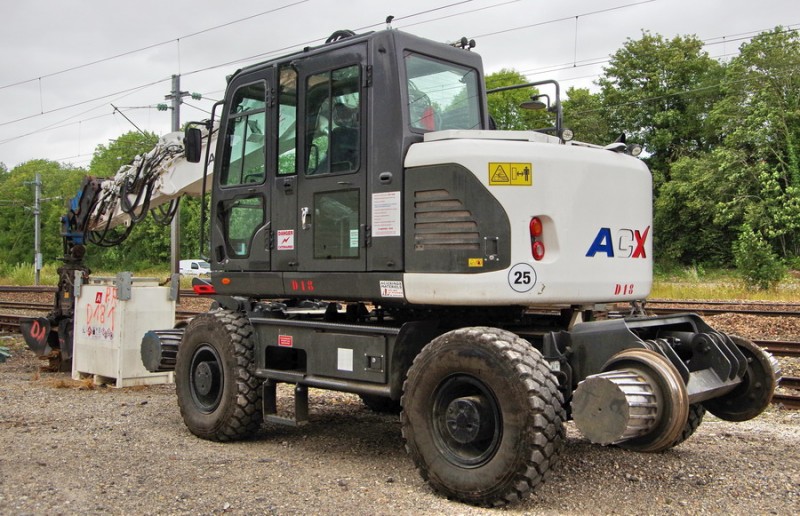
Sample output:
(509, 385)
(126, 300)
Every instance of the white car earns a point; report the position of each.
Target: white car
(194, 267)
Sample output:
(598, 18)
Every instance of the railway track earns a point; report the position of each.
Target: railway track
(22, 305)
(658, 306)
(10, 323)
(50, 289)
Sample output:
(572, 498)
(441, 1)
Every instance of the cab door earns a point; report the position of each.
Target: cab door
(240, 225)
(325, 202)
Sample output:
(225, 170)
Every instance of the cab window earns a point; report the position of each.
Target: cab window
(244, 145)
(441, 95)
(241, 218)
(333, 111)
(287, 121)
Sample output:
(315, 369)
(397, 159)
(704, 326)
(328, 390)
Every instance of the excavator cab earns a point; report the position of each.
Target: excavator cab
(309, 162)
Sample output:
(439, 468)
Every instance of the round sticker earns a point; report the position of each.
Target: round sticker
(522, 277)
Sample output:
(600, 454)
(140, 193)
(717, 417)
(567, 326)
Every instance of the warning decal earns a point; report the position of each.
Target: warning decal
(285, 239)
(510, 174)
(391, 289)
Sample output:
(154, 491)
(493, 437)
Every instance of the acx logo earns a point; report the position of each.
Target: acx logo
(629, 243)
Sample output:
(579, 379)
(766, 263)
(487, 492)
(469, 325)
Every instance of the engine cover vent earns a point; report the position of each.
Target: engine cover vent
(441, 221)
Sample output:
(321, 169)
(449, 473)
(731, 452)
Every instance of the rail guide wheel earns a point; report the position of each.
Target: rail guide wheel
(638, 402)
(754, 393)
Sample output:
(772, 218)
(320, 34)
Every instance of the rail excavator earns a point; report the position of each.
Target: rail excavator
(371, 232)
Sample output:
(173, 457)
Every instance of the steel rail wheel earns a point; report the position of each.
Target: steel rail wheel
(673, 403)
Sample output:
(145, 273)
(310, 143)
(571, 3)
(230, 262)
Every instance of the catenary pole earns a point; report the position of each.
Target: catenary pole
(175, 227)
(37, 249)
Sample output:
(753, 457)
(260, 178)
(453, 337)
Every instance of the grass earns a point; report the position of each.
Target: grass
(23, 274)
(675, 283)
(697, 283)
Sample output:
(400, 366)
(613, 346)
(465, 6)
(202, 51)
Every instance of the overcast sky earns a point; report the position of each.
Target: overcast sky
(56, 104)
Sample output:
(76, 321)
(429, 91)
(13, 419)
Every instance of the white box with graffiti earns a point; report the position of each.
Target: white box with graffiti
(111, 317)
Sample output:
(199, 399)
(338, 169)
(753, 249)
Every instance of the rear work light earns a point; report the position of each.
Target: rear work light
(535, 228)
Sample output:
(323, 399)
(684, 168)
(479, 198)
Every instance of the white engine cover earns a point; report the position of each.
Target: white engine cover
(596, 206)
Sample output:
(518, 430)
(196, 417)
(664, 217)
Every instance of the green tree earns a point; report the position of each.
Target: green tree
(190, 228)
(584, 114)
(688, 225)
(504, 107)
(107, 160)
(660, 92)
(756, 261)
(148, 244)
(59, 183)
(760, 120)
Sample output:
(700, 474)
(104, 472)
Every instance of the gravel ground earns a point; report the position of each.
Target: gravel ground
(69, 447)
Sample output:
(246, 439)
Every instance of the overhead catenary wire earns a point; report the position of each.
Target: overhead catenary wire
(297, 45)
(398, 19)
(190, 73)
(150, 47)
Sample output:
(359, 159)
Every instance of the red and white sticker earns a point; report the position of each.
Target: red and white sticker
(285, 239)
(392, 289)
(285, 341)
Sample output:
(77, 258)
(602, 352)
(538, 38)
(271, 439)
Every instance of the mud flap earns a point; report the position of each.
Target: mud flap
(38, 335)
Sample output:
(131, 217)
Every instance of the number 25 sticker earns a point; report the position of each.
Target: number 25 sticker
(522, 277)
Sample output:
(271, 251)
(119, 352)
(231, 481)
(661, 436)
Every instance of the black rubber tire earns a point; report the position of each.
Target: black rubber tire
(381, 404)
(520, 430)
(218, 394)
(696, 413)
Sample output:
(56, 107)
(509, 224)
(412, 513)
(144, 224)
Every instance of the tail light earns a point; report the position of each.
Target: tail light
(536, 229)
(203, 288)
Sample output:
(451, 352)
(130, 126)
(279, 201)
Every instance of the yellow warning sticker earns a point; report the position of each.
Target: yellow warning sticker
(475, 262)
(510, 174)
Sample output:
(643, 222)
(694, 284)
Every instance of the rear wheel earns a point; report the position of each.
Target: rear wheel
(696, 413)
(218, 394)
(482, 416)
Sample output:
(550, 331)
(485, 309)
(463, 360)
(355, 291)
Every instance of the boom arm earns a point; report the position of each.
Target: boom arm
(153, 182)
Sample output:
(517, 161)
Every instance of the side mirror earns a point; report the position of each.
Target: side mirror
(193, 144)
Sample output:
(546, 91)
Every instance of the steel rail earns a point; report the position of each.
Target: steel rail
(717, 302)
(788, 401)
(780, 348)
(790, 382)
(23, 305)
(701, 309)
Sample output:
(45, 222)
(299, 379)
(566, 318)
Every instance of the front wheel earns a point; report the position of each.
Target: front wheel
(218, 394)
(482, 416)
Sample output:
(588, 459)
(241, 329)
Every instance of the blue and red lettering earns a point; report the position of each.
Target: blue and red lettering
(630, 243)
